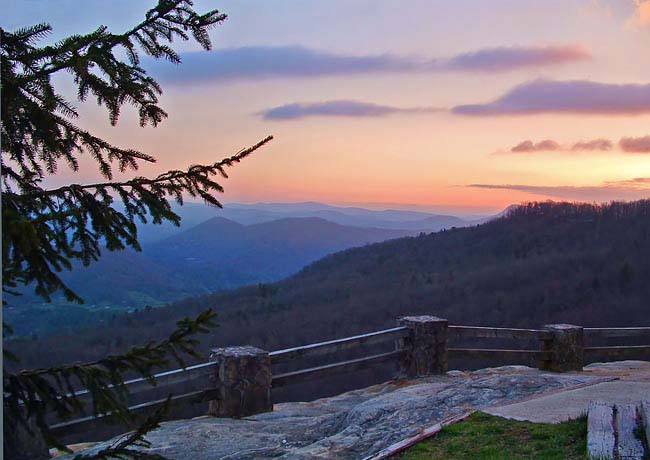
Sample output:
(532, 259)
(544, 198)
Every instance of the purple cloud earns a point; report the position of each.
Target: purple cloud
(530, 146)
(549, 145)
(575, 96)
(339, 108)
(508, 58)
(637, 182)
(633, 189)
(258, 62)
(600, 145)
(635, 144)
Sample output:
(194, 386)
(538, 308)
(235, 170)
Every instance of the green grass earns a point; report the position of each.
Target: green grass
(485, 437)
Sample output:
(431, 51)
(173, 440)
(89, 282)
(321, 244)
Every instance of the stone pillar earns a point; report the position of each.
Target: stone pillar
(565, 348)
(425, 346)
(243, 381)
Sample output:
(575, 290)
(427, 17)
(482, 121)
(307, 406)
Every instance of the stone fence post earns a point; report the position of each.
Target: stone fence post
(565, 348)
(243, 381)
(425, 348)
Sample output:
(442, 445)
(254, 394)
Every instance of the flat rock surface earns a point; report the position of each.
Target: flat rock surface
(632, 384)
(359, 423)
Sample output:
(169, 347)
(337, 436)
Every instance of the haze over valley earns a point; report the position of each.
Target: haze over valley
(257, 243)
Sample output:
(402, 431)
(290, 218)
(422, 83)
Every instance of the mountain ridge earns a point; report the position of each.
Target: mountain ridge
(540, 263)
(215, 254)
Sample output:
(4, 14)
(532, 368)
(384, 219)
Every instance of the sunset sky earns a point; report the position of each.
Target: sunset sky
(466, 106)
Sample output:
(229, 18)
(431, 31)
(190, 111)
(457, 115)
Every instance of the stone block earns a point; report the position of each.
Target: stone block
(425, 346)
(242, 379)
(565, 348)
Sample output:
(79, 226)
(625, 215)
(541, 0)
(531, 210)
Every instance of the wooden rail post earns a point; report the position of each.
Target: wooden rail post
(425, 348)
(242, 378)
(565, 348)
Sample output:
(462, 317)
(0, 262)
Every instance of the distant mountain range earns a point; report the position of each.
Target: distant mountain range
(222, 253)
(216, 249)
(414, 221)
(215, 254)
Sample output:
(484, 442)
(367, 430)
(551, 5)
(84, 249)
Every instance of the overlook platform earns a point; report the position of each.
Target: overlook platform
(359, 424)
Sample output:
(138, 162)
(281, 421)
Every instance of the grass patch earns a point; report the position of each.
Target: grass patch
(486, 437)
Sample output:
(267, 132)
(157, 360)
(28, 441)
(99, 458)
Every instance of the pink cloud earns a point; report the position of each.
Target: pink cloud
(262, 62)
(511, 57)
(572, 96)
(637, 182)
(549, 145)
(635, 144)
(528, 146)
(593, 145)
(632, 189)
(339, 108)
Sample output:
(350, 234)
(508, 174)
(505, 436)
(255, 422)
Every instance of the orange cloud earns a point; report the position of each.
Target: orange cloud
(641, 17)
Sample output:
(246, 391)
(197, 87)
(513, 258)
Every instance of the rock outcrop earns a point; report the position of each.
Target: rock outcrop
(356, 424)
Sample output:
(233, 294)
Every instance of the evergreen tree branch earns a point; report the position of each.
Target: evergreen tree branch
(169, 176)
(33, 394)
(35, 136)
(44, 229)
(122, 448)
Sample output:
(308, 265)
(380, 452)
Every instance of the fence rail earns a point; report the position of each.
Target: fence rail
(352, 365)
(498, 352)
(617, 332)
(334, 346)
(137, 386)
(465, 332)
(238, 381)
(617, 351)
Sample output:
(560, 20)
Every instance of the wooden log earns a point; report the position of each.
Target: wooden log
(334, 346)
(600, 431)
(466, 332)
(290, 378)
(629, 446)
(644, 409)
(426, 433)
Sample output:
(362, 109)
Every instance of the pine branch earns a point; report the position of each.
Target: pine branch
(43, 229)
(169, 176)
(35, 137)
(35, 393)
(167, 12)
(123, 447)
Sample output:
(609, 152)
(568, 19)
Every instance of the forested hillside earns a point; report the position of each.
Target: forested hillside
(543, 262)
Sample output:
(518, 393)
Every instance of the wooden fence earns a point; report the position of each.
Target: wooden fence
(240, 381)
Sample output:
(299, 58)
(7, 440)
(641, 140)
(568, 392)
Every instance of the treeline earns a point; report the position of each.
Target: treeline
(542, 262)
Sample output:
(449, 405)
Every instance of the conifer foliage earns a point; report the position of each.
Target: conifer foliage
(45, 230)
